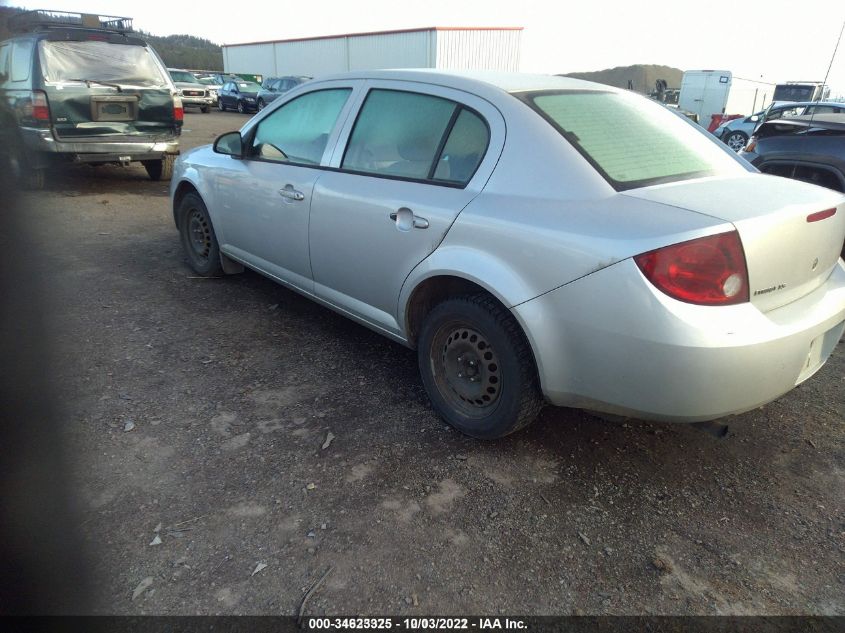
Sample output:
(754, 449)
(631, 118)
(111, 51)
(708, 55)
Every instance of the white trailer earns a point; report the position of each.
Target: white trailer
(709, 92)
(495, 48)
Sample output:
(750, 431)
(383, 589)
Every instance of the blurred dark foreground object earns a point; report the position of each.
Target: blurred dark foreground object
(42, 568)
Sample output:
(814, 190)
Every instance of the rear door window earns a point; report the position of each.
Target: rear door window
(416, 136)
(299, 130)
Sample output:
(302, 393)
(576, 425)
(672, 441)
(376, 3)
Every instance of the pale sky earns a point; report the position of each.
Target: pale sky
(772, 40)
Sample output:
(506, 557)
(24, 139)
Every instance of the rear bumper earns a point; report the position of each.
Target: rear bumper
(42, 141)
(611, 342)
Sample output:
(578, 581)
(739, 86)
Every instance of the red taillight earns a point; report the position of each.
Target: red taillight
(709, 271)
(821, 215)
(178, 110)
(37, 108)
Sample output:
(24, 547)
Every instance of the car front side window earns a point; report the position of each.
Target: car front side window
(299, 131)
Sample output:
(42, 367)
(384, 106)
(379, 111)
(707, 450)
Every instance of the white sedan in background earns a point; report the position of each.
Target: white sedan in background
(537, 239)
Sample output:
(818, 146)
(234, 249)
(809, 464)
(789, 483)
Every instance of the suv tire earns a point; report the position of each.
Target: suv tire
(477, 367)
(160, 169)
(204, 109)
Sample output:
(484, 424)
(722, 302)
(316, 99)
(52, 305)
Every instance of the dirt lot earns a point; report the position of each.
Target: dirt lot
(197, 413)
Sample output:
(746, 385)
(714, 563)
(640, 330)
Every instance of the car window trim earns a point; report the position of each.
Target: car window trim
(441, 146)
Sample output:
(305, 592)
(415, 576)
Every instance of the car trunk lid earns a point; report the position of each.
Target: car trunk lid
(790, 245)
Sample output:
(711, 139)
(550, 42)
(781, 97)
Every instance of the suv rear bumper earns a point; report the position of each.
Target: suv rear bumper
(42, 141)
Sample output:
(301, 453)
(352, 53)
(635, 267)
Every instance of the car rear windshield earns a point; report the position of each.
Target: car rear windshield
(94, 60)
(631, 141)
(247, 86)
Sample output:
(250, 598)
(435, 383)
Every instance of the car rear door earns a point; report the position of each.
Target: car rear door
(412, 159)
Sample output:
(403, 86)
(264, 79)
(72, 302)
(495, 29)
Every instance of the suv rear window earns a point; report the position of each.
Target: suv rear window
(630, 140)
(99, 61)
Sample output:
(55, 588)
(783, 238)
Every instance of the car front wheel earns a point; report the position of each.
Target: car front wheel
(736, 140)
(241, 108)
(478, 368)
(261, 104)
(198, 239)
(220, 105)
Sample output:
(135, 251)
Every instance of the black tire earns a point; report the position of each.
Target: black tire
(220, 105)
(241, 107)
(197, 236)
(204, 109)
(477, 367)
(160, 169)
(261, 104)
(736, 140)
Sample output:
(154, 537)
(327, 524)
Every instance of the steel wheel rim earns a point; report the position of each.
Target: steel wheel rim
(466, 369)
(199, 234)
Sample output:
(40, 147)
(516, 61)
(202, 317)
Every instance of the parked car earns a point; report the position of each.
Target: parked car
(238, 95)
(736, 132)
(191, 91)
(276, 86)
(808, 148)
(530, 247)
(86, 89)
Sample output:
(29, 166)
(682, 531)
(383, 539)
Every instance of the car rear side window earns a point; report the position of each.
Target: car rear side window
(21, 60)
(299, 130)
(630, 140)
(464, 148)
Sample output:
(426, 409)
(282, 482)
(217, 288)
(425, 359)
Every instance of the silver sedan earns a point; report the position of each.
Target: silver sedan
(537, 239)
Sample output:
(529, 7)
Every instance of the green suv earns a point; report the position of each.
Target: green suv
(84, 89)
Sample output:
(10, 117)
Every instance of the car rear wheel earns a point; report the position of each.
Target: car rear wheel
(736, 140)
(198, 239)
(160, 169)
(241, 108)
(477, 367)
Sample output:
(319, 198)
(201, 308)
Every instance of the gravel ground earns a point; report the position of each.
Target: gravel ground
(230, 442)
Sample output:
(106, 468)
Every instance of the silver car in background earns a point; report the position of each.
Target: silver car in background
(536, 239)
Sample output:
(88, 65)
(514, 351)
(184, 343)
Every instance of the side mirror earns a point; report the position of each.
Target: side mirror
(230, 144)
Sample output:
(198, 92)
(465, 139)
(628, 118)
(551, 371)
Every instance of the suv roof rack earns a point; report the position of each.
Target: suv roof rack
(47, 18)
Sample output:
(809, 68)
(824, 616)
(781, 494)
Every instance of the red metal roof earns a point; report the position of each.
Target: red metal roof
(416, 30)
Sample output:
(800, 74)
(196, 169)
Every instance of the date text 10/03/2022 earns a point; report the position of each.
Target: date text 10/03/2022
(416, 624)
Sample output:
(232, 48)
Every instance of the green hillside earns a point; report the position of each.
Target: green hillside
(177, 51)
(642, 76)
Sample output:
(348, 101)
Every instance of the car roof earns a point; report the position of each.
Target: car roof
(476, 80)
(793, 104)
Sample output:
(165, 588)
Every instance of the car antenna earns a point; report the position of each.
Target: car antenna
(821, 92)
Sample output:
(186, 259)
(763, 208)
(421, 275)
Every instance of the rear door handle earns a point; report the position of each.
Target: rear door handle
(406, 220)
(291, 194)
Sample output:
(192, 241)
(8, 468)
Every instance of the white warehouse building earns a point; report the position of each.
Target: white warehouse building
(495, 48)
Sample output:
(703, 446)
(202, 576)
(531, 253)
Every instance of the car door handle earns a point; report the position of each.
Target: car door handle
(291, 194)
(406, 220)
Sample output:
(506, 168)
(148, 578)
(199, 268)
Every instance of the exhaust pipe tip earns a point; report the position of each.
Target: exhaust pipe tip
(719, 431)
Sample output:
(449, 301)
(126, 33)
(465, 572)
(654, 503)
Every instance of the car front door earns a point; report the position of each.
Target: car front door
(414, 157)
(262, 201)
